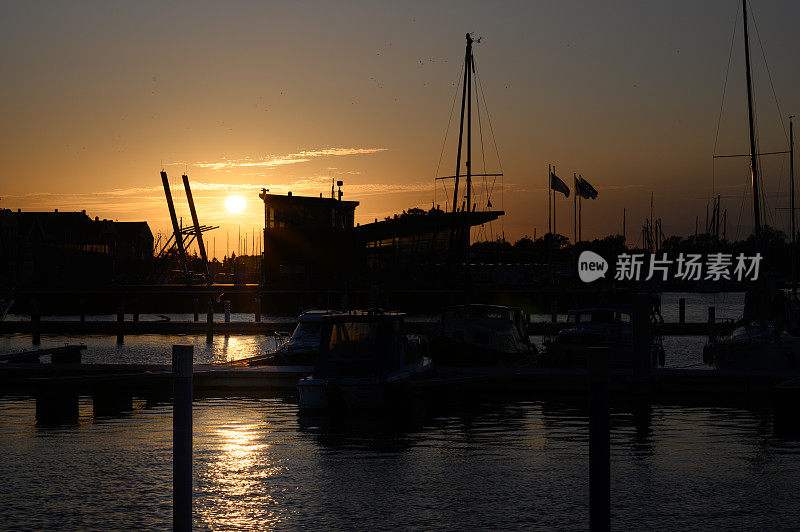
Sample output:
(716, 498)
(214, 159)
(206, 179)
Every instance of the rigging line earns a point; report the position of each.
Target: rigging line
(769, 75)
(722, 102)
(450, 119)
(496, 151)
(480, 135)
(489, 119)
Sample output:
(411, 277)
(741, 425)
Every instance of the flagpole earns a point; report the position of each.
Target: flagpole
(580, 221)
(555, 217)
(574, 209)
(549, 202)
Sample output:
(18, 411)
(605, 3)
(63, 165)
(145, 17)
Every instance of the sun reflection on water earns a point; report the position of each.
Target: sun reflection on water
(237, 477)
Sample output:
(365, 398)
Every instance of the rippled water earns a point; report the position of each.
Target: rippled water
(505, 462)
(501, 464)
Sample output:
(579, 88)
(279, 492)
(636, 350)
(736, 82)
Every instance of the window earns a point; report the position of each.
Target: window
(353, 341)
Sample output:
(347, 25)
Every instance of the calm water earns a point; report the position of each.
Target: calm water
(500, 463)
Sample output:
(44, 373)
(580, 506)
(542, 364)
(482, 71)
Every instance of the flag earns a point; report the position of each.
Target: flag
(558, 185)
(584, 189)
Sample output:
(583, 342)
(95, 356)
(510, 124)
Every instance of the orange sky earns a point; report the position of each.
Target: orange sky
(97, 97)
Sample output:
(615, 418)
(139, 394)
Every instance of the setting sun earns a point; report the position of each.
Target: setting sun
(235, 204)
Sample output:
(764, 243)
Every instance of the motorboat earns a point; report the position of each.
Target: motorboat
(481, 335)
(364, 361)
(602, 326)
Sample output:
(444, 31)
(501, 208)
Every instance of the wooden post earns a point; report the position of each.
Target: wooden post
(712, 319)
(227, 311)
(36, 319)
(196, 309)
(120, 325)
(257, 309)
(682, 310)
(210, 322)
(641, 336)
(136, 310)
(82, 309)
(182, 367)
(599, 440)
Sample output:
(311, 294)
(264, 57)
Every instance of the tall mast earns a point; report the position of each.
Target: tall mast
(468, 80)
(791, 208)
(753, 159)
(467, 57)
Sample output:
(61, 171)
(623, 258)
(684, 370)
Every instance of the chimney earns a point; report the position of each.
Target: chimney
(83, 211)
(290, 193)
(96, 218)
(55, 210)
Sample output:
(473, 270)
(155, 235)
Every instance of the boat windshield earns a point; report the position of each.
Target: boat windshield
(353, 341)
(599, 317)
(306, 332)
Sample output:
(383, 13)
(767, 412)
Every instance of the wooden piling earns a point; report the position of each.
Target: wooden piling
(182, 368)
(641, 336)
(82, 309)
(599, 440)
(257, 309)
(120, 326)
(227, 311)
(196, 309)
(712, 319)
(210, 322)
(136, 310)
(36, 319)
(682, 310)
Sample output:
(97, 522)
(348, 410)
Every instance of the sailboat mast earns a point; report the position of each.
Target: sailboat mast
(791, 208)
(753, 159)
(468, 81)
(461, 127)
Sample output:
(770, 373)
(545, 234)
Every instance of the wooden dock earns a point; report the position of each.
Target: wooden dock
(77, 328)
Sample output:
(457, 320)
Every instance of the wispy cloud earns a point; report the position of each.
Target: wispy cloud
(280, 160)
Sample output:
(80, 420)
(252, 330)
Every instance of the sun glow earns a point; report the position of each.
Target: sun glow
(235, 204)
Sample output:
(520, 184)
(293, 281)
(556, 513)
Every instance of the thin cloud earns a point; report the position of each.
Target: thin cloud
(280, 160)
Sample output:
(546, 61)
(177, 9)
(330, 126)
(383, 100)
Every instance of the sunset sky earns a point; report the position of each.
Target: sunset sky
(98, 97)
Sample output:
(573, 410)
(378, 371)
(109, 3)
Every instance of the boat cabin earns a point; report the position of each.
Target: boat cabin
(361, 344)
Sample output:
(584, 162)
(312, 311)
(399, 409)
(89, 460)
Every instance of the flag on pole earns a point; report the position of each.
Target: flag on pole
(584, 189)
(558, 185)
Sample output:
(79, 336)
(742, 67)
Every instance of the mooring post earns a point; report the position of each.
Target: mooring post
(227, 311)
(682, 310)
(712, 320)
(257, 309)
(599, 440)
(196, 309)
(136, 310)
(82, 309)
(120, 325)
(36, 319)
(210, 322)
(641, 336)
(182, 356)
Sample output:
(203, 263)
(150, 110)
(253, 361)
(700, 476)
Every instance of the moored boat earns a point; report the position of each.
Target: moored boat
(481, 335)
(364, 361)
(604, 326)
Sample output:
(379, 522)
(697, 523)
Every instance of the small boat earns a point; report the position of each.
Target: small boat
(364, 361)
(603, 326)
(481, 335)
